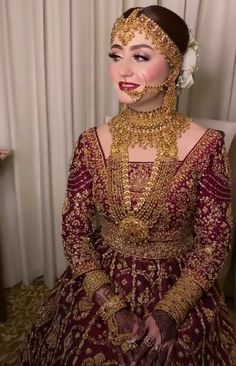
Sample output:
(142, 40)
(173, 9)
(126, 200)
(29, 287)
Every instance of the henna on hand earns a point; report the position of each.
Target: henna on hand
(167, 325)
(126, 321)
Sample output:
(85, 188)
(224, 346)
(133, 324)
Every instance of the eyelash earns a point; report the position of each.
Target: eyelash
(137, 57)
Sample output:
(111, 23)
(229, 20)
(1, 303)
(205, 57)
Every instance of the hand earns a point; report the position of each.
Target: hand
(158, 345)
(131, 325)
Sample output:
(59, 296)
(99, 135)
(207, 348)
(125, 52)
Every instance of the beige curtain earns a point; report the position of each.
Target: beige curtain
(54, 85)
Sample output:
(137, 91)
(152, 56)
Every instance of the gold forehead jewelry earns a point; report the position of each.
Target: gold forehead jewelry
(124, 29)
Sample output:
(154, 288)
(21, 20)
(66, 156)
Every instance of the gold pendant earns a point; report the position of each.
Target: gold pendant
(133, 230)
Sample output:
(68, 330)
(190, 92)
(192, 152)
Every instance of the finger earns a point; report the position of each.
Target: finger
(129, 356)
(121, 359)
(162, 354)
(139, 329)
(142, 362)
(170, 355)
(139, 353)
(147, 343)
(150, 357)
(120, 356)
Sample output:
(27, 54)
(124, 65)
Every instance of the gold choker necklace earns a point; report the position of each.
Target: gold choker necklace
(155, 129)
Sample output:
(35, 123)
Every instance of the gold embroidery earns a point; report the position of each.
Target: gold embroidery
(78, 214)
(98, 360)
(170, 244)
(189, 197)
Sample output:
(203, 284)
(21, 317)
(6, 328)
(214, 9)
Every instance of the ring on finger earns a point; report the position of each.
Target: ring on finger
(149, 341)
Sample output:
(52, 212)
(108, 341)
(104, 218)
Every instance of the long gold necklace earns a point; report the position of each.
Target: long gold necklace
(156, 129)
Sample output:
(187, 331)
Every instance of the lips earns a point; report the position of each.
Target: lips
(124, 86)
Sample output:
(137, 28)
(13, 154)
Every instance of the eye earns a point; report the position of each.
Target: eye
(114, 56)
(140, 58)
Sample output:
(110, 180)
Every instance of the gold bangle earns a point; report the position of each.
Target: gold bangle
(111, 306)
(178, 301)
(93, 281)
(119, 339)
(115, 337)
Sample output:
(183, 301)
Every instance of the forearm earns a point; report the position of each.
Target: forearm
(212, 228)
(99, 288)
(178, 301)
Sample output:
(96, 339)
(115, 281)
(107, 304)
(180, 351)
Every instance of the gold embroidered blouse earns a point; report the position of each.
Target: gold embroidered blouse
(196, 220)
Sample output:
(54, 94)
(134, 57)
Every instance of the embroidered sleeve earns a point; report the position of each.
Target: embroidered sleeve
(212, 227)
(213, 220)
(78, 214)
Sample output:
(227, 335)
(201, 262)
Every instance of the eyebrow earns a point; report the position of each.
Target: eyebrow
(135, 47)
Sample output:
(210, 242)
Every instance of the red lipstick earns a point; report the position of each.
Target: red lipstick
(125, 86)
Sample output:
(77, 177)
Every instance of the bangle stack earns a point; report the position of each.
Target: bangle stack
(117, 339)
(180, 299)
(93, 281)
(111, 306)
(107, 312)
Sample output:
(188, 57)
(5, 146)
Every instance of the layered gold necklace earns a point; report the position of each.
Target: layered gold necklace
(157, 129)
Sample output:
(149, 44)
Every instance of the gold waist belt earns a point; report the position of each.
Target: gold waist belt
(172, 244)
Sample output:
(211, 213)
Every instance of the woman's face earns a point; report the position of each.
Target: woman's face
(135, 66)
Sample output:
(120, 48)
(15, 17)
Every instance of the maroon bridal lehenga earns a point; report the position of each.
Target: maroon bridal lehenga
(191, 235)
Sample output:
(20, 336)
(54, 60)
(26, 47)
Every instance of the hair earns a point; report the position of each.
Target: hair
(169, 21)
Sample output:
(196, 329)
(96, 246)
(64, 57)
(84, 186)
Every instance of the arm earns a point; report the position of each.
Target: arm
(78, 214)
(212, 226)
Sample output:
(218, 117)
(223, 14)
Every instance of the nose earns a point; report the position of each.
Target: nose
(126, 69)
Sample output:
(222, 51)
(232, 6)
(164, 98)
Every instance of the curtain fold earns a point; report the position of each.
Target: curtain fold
(54, 84)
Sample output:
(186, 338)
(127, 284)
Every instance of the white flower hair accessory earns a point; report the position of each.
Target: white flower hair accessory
(189, 65)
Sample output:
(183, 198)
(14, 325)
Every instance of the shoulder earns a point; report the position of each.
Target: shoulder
(86, 139)
(197, 127)
(103, 132)
(199, 143)
(86, 134)
(212, 139)
(213, 152)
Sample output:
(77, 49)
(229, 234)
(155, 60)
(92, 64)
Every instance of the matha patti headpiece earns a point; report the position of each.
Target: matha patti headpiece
(124, 29)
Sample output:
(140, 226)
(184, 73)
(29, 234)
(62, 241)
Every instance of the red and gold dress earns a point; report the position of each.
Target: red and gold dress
(189, 239)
